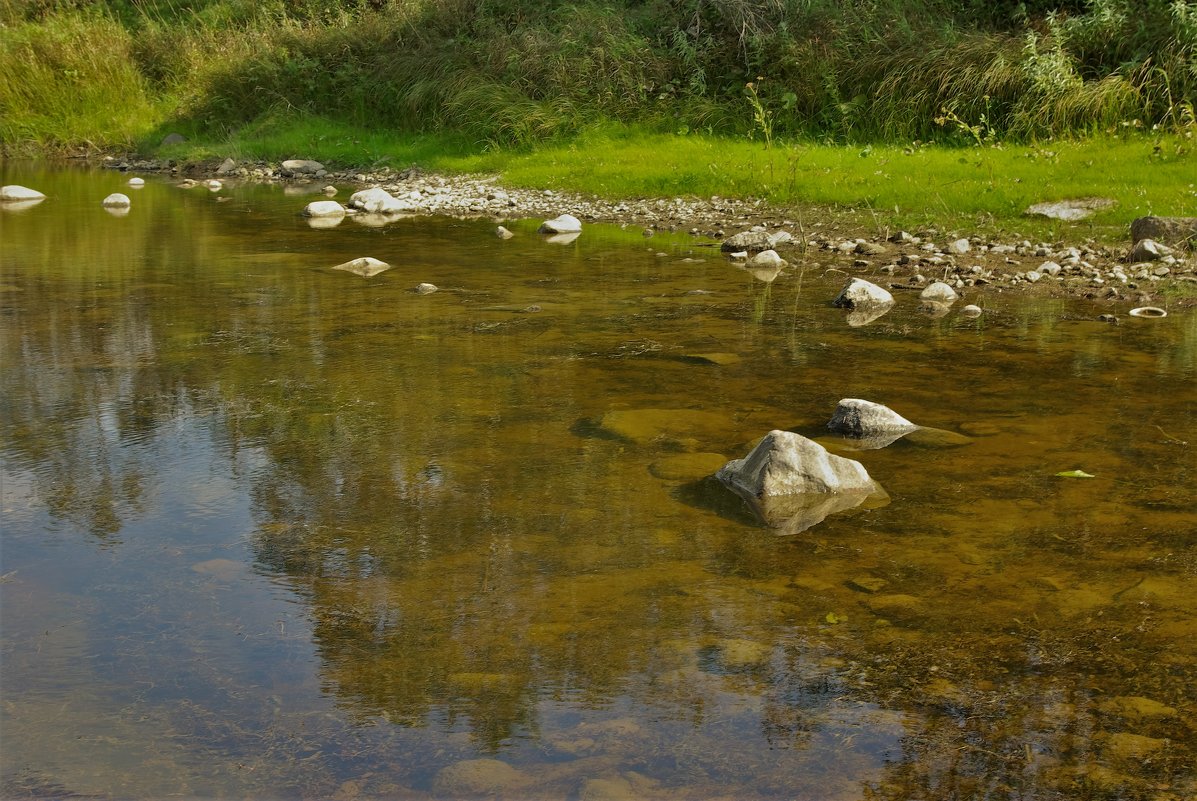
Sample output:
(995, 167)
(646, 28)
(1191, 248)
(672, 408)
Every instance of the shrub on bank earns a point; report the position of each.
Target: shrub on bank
(514, 72)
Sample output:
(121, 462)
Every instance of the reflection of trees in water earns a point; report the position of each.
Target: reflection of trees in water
(447, 591)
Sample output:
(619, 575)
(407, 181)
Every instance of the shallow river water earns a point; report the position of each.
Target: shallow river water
(272, 530)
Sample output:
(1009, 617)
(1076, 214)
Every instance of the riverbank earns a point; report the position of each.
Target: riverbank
(858, 243)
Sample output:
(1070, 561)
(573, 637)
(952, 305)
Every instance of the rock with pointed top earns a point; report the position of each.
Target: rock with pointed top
(861, 418)
(562, 224)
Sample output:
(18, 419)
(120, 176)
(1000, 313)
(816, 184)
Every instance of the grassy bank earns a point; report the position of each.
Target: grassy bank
(792, 101)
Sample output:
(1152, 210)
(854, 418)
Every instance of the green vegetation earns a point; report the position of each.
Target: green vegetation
(790, 100)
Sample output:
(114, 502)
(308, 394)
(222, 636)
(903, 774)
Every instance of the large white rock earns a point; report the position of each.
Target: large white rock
(766, 259)
(15, 192)
(365, 266)
(793, 483)
(862, 418)
(861, 293)
(785, 463)
(324, 208)
(117, 201)
(377, 200)
(563, 224)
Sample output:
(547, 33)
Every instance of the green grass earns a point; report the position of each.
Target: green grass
(905, 186)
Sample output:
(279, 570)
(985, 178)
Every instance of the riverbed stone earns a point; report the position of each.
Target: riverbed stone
(1137, 709)
(856, 417)
(377, 200)
(366, 266)
(117, 201)
(959, 247)
(785, 463)
(971, 310)
(751, 241)
(860, 293)
(324, 208)
(425, 288)
(767, 260)
(561, 224)
(897, 607)
(472, 778)
(939, 292)
(301, 167)
(503, 233)
(17, 193)
(1148, 250)
(680, 429)
(1169, 230)
(687, 466)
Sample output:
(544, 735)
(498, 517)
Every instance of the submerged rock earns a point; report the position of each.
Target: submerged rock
(678, 428)
(474, 778)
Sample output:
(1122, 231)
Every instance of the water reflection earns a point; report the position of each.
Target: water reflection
(480, 533)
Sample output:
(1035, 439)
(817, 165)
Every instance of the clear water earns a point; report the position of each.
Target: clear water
(272, 530)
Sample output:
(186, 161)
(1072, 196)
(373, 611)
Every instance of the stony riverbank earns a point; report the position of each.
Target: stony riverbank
(1106, 274)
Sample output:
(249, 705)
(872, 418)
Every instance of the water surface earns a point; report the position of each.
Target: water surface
(272, 530)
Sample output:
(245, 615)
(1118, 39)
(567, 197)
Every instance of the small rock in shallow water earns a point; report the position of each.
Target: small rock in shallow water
(1148, 311)
(136, 183)
(503, 233)
(365, 266)
(970, 311)
(15, 192)
(117, 201)
(561, 224)
(425, 289)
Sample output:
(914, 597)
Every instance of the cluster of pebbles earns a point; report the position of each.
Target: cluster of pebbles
(1123, 274)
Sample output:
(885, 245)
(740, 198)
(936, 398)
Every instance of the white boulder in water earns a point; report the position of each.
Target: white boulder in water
(15, 192)
(377, 200)
(861, 418)
(324, 208)
(117, 201)
(563, 224)
(859, 293)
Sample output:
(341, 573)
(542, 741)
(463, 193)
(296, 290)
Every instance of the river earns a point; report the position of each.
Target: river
(274, 530)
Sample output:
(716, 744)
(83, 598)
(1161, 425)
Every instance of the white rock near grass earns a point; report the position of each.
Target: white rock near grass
(861, 293)
(562, 224)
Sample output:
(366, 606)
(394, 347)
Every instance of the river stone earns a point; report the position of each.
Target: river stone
(136, 182)
(862, 418)
(365, 266)
(562, 224)
(867, 584)
(117, 201)
(926, 437)
(785, 463)
(1134, 748)
(676, 427)
(1137, 709)
(897, 607)
(324, 208)
(503, 233)
(766, 260)
(738, 654)
(226, 167)
(939, 292)
(425, 288)
(301, 167)
(971, 310)
(15, 192)
(959, 247)
(472, 778)
(377, 200)
(1172, 230)
(752, 241)
(1069, 210)
(861, 293)
(617, 789)
(1148, 250)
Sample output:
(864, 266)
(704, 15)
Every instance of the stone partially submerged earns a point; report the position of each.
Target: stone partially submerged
(14, 193)
(859, 293)
(562, 224)
(365, 267)
(864, 419)
(324, 208)
(792, 483)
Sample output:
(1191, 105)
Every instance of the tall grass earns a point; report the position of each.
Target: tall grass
(513, 72)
